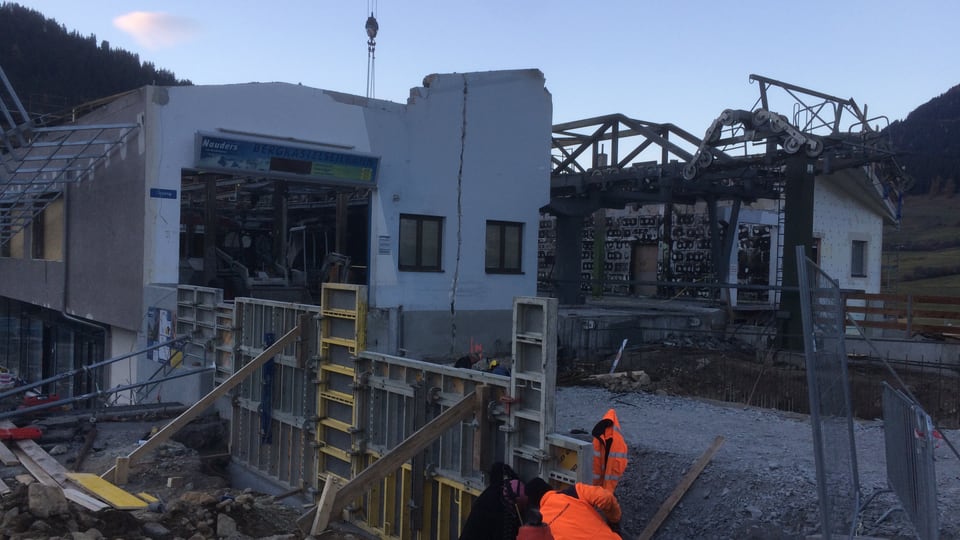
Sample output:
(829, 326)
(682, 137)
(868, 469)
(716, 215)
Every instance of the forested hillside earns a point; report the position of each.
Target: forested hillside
(53, 69)
(929, 143)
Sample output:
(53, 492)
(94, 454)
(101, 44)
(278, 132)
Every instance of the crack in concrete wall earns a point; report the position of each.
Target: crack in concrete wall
(456, 268)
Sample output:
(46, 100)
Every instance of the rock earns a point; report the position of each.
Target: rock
(58, 450)
(755, 512)
(90, 534)
(226, 526)
(197, 498)
(156, 531)
(45, 501)
(8, 517)
(40, 526)
(197, 536)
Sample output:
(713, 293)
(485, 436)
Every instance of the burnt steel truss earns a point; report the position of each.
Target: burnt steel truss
(38, 160)
(610, 161)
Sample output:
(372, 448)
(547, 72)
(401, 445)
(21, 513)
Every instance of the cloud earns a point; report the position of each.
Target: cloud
(157, 30)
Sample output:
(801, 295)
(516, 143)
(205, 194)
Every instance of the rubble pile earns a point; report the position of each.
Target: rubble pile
(38, 511)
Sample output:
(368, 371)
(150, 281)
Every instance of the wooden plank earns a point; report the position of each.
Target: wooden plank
(7, 457)
(4, 488)
(34, 469)
(47, 462)
(393, 459)
(681, 488)
(44, 460)
(84, 500)
(325, 506)
(168, 430)
(116, 497)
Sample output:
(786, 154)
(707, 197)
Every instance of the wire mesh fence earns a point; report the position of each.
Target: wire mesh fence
(831, 414)
(909, 442)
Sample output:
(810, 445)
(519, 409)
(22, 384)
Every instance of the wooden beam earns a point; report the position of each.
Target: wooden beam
(681, 488)
(90, 503)
(393, 459)
(36, 470)
(38, 456)
(325, 506)
(177, 423)
(6, 456)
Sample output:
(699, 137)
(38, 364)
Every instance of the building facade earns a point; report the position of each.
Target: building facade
(257, 187)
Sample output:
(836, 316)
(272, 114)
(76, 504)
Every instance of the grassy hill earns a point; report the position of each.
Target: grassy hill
(923, 256)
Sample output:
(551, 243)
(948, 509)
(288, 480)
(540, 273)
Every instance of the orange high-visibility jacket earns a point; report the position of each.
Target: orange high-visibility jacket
(609, 453)
(579, 518)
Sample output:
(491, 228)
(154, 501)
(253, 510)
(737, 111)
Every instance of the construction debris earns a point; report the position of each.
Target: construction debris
(622, 381)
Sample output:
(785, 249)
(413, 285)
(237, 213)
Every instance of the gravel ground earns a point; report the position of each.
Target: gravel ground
(761, 483)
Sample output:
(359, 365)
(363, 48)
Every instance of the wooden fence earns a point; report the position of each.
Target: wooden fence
(934, 316)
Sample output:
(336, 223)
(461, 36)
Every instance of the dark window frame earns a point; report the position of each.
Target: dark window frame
(858, 258)
(500, 266)
(419, 265)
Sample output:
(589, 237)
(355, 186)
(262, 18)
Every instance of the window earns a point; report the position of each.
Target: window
(420, 238)
(815, 251)
(504, 247)
(858, 262)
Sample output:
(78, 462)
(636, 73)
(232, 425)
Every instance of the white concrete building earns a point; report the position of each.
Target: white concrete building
(434, 201)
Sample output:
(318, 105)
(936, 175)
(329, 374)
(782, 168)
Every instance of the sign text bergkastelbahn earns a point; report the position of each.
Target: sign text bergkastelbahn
(296, 162)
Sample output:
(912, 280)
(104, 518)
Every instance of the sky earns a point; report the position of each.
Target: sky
(672, 61)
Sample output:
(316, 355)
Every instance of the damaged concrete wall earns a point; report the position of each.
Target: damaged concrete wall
(470, 148)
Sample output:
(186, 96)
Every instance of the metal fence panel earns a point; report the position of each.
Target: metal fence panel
(909, 439)
(831, 414)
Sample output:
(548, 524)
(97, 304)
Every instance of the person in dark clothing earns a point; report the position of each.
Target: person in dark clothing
(497, 512)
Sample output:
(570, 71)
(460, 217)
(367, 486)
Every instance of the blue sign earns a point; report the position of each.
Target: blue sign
(300, 162)
(157, 193)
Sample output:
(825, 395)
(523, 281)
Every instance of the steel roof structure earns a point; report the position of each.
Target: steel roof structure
(610, 161)
(37, 159)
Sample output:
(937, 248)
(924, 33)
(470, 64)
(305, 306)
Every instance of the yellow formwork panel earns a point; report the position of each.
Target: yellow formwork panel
(406, 494)
(336, 424)
(343, 370)
(335, 452)
(338, 301)
(389, 523)
(116, 497)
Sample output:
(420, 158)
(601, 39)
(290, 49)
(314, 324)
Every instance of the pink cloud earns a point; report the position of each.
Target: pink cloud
(157, 30)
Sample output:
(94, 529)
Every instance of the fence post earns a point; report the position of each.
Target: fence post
(909, 316)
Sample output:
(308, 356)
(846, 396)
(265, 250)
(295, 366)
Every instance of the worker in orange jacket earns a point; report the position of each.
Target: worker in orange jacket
(579, 512)
(609, 452)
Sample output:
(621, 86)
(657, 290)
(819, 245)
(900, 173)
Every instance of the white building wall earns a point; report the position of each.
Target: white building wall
(174, 116)
(122, 372)
(838, 220)
(505, 176)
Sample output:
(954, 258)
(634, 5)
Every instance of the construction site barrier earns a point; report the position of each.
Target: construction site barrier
(831, 415)
(910, 439)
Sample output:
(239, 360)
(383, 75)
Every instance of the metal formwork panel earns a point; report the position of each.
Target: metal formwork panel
(532, 385)
(273, 409)
(398, 396)
(343, 310)
(198, 317)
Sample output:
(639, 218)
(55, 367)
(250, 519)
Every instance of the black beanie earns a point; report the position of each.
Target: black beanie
(535, 489)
